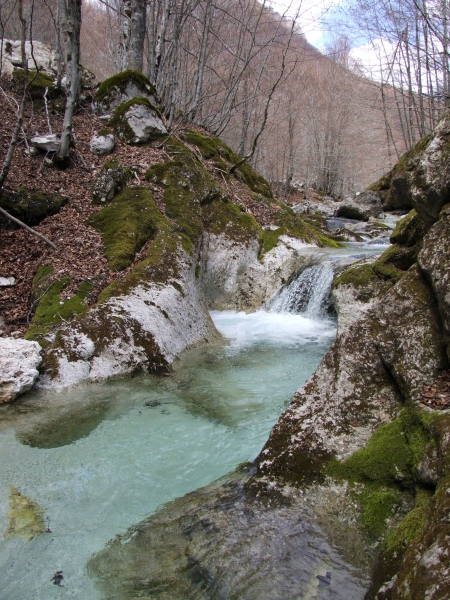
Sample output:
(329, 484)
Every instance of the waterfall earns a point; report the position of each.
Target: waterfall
(307, 294)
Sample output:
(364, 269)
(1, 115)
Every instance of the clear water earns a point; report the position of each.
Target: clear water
(100, 458)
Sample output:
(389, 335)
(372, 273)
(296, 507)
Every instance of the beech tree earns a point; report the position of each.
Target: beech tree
(70, 19)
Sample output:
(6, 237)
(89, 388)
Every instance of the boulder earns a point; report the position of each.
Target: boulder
(421, 178)
(121, 88)
(102, 143)
(361, 207)
(39, 56)
(110, 181)
(19, 362)
(137, 121)
(46, 143)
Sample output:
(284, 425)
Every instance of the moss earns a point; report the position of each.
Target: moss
(408, 532)
(52, 310)
(126, 224)
(31, 206)
(104, 132)
(377, 506)
(38, 82)
(25, 517)
(225, 217)
(269, 239)
(119, 81)
(391, 454)
(119, 123)
(409, 231)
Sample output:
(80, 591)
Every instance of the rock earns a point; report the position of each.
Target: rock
(434, 260)
(46, 143)
(121, 88)
(7, 281)
(31, 206)
(40, 56)
(421, 178)
(19, 361)
(138, 121)
(361, 206)
(25, 517)
(102, 143)
(326, 207)
(110, 181)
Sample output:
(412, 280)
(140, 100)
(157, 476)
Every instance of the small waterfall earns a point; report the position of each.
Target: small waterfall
(307, 294)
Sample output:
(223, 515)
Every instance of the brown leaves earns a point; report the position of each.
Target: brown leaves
(437, 395)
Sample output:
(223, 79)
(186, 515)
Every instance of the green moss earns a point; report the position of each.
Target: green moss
(377, 506)
(105, 132)
(225, 217)
(119, 81)
(31, 206)
(51, 310)
(126, 224)
(391, 454)
(408, 532)
(409, 231)
(37, 82)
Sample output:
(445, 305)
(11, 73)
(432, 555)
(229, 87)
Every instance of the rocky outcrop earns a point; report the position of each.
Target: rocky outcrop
(121, 88)
(110, 181)
(361, 206)
(38, 56)
(421, 179)
(46, 143)
(19, 362)
(102, 143)
(138, 121)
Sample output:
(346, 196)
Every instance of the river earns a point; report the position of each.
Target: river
(100, 458)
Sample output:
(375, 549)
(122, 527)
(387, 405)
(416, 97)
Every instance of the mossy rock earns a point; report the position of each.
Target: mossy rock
(30, 206)
(119, 121)
(52, 310)
(310, 229)
(38, 82)
(215, 149)
(126, 224)
(111, 180)
(409, 231)
(120, 82)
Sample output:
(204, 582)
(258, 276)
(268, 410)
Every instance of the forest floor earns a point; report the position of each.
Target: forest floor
(79, 249)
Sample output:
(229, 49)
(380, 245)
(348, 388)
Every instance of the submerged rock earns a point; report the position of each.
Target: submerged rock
(25, 517)
(19, 362)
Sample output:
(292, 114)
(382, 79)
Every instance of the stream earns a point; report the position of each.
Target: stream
(100, 458)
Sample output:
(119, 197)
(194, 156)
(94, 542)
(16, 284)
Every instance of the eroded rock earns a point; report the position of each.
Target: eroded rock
(19, 362)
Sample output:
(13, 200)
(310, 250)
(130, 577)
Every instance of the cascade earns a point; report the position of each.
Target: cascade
(307, 294)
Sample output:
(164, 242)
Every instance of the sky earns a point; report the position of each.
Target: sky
(319, 20)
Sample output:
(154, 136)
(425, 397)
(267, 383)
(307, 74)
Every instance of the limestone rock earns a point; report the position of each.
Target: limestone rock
(110, 181)
(421, 178)
(138, 121)
(361, 206)
(19, 361)
(434, 260)
(121, 88)
(102, 144)
(43, 57)
(46, 143)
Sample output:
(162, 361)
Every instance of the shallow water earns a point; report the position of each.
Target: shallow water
(102, 457)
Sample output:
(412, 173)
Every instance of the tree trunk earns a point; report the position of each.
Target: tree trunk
(137, 35)
(72, 60)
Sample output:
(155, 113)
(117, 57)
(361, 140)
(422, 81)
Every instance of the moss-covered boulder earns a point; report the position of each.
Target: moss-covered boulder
(30, 206)
(138, 121)
(122, 87)
(38, 83)
(51, 307)
(126, 224)
(111, 180)
(421, 178)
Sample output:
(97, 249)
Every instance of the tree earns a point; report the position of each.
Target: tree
(70, 14)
